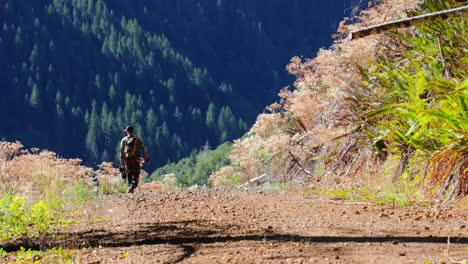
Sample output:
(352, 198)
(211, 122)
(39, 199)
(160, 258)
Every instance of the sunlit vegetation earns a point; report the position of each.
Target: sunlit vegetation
(371, 112)
(197, 168)
(40, 192)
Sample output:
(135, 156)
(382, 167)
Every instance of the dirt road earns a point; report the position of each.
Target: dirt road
(263, 227)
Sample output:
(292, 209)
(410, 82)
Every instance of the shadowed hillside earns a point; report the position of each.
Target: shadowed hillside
(184, 73)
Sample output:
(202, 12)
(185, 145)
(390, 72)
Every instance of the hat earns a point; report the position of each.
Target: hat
(129, 129)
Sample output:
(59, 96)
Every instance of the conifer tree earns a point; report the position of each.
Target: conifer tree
(211, 115)
(34, 98)
(92, 135)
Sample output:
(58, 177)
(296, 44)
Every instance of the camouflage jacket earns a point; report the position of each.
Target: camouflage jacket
(131, 147)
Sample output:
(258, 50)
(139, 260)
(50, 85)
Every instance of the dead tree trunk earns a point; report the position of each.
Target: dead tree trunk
(408, 22)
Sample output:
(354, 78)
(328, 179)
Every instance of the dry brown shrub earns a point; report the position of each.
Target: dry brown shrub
(9, 149)
(253, 154)
(450, 168)
(268, 125)
(224, 177)
(109, 178)
(318, 108)
(285, 95)
(42, 175)
(152, 187)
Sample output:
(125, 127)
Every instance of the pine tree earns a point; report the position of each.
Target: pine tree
(34, 98)
(112, 93)
(59, 108)
(92, 135)
(211, 116)
(227, 124)
(151, 122)
(165, 130)
(178, 114)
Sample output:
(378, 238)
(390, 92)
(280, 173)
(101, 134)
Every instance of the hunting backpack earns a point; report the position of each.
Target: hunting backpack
(131, 148)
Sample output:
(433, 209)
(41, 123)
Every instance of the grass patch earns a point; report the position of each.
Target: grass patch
(107, 187)
(82, 193)
(3, 253)
(403, 193)
(124, 255)
(55, 255)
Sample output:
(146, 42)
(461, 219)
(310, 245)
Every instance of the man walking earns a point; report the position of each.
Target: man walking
(130, 155)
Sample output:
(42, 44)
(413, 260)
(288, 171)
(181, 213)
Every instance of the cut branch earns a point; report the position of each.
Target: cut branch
(252, 181)
(349, 203)
(444, 62)
(273, 156)
(284, 150)
(408, 22)
(299, 164)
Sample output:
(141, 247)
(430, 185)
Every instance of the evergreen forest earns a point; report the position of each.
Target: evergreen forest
(185, 74)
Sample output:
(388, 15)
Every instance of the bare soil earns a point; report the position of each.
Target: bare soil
(226, 226)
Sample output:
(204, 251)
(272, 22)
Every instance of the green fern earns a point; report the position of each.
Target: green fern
(420, 95)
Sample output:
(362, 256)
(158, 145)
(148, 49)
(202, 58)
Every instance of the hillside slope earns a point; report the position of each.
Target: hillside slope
(75, 74)
(386, 112)
(184, 73)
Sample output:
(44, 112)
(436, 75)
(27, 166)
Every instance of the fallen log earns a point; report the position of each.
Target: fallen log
(252, 181)
(408, 22)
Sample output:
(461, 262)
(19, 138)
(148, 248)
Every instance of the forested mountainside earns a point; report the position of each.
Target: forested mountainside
(184, 73)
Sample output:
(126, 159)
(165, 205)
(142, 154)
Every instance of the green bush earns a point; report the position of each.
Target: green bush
(416, 100)
(3, 253)
(54, 255)
(20, 220)
(197, 168)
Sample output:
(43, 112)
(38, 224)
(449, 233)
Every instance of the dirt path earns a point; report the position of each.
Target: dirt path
(256, 227)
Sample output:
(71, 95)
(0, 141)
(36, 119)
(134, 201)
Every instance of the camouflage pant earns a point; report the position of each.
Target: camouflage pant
(132, 169)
